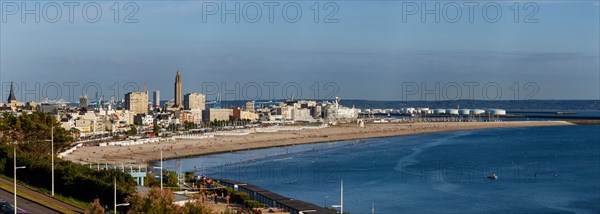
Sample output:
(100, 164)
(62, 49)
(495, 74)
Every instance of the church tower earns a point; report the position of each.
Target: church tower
(178, 92)
(11, 97)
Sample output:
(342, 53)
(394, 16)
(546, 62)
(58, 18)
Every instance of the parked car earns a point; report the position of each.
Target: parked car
(7, 208)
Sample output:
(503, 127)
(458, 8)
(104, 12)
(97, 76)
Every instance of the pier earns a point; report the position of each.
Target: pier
(271, 199)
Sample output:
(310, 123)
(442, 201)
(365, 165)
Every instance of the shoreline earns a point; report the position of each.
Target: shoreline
(186, 148)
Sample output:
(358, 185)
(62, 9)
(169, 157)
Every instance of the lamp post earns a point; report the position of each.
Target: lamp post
(161, 170)
(52, 138)
(52, 157)
(15, 175)
(118, 205)
(341, 206)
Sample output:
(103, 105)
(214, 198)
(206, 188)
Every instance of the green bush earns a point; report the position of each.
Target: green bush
(172, 180)
(240, 197)
(253, 204)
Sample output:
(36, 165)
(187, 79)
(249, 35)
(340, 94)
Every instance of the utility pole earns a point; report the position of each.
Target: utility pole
(341, 206)
(115, 195)
(15, 175)
(161, 170)
(52, 155)
(342, 197)
(52, 138)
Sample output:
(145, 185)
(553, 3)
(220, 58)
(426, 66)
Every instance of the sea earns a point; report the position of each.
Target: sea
(538, 169)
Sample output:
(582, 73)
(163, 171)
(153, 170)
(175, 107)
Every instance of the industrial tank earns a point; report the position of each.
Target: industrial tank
(497, 112)
(439, 111)
(477, 111)
(452, 111)
(423, 110)
(464, 111)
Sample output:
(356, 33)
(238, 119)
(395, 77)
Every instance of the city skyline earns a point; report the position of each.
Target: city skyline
(309, 106)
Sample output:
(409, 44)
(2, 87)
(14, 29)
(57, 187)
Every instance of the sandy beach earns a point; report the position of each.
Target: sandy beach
(142, 154)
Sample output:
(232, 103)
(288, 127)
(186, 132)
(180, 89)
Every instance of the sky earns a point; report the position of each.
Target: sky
(374, 50)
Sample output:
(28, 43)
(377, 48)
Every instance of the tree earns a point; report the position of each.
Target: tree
(132, 131)
(156, 129)
(156, 201)
(172, 180)
(189, 175)
(96, 207)
(188, 125)
(75, 133)
(150, 181)
(194, 206)
(32, 130)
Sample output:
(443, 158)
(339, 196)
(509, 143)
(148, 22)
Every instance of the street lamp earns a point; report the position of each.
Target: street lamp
(15, 175)
(52, 155)
(118, 205)
(161, 170)
(341, 206)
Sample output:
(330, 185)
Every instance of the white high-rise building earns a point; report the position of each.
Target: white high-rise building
(137, 102)
(194, 101)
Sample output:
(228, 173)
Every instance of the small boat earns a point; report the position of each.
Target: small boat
(493, 176)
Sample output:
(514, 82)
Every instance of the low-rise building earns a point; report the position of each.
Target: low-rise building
(301, 114)
(193, 116)
(143, 119)
(240, 114)
(163, 119)
(213, 114)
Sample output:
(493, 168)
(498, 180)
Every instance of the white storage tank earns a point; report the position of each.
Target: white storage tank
(439, 111)
(452, 111)
(464, 111)
(497, 112)
(477, 111)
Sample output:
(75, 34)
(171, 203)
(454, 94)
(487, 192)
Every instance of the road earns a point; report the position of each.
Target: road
(24, 204)
(38, 196)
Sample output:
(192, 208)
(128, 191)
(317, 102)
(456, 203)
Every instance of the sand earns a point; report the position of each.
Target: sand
(143, 154)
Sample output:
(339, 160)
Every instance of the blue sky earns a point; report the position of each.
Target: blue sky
(370, 53)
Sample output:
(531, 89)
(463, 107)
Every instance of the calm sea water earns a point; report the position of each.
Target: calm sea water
(540, 170)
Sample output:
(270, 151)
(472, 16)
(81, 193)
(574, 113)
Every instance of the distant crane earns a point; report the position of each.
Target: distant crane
(215, 103)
